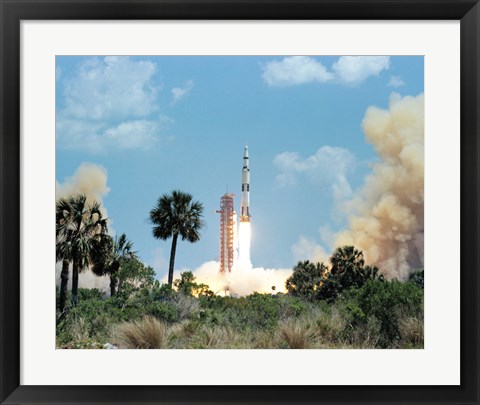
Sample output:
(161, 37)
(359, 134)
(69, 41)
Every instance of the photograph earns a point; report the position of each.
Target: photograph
(239, 202)
(250, 192)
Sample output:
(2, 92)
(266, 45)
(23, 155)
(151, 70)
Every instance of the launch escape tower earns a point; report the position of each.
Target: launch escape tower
(227, 232)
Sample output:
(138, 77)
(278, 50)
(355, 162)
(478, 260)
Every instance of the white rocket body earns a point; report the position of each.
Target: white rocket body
(245, 202)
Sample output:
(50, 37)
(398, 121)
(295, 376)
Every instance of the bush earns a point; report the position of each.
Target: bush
(380, 314)
(385, 302)
(164, 311)
(315, 281)
(306, 279)
(416, 277)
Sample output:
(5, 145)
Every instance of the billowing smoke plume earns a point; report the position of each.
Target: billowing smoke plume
(243, 280)
(386, 215)
(89, 179)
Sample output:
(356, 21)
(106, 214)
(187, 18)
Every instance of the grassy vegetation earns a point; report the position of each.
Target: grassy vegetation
(379, 314)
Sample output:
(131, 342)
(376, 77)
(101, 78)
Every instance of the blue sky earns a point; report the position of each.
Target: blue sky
(156, 124)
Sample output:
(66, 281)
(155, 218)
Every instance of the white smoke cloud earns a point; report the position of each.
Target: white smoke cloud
(86, 279)
(295, 70)
(386, 215)
(244, 279)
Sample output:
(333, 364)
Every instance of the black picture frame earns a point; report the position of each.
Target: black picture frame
(14, 11)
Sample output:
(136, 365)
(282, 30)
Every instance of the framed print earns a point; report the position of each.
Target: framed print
(268, 202)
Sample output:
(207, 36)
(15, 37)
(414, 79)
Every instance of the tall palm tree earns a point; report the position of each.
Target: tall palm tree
(108, 255)
(63, 250)
(82, 225)
(176, 215)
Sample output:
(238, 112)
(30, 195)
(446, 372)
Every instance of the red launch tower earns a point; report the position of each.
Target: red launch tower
(227, 232)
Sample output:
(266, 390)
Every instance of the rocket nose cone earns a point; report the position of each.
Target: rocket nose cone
(245, 153)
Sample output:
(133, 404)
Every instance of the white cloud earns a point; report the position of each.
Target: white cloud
(109, 102)
(356, 69)
(133, 134)
(294, 70)
(179, 93)
(111, 88)
(96, 137)
(329, 166)
(307, 249)
(396, 81)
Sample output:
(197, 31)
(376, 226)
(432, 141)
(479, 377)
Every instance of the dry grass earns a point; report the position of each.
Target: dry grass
(79, 330)
(210, 337)
(317, 329)
(412, 332)
(147, 333)
(265, 340)
(297, 334)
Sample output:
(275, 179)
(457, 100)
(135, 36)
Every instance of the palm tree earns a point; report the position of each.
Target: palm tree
(306, 279)
(63, 250)
(176, 215)
(81, 226)
(346, 259)
(108, 255)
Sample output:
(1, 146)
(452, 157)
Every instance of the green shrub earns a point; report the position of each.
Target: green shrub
(315, 281)
(416, 277)
(387, 302)
(164, 311)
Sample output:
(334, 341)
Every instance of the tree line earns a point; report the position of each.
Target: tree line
(83, 241)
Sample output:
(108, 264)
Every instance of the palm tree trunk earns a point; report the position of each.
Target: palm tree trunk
(75, 283)
(172, 259)
(113, 285)
(63, 286)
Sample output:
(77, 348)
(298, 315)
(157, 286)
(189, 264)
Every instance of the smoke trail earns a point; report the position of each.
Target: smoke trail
(89, 179)
(386, 215)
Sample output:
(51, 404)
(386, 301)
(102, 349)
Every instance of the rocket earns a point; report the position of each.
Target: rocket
(245, 203)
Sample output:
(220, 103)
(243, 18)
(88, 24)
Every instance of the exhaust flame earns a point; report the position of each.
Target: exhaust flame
(244, 235)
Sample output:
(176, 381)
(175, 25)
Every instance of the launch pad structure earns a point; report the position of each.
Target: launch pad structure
(227, 232)
(228, 220)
